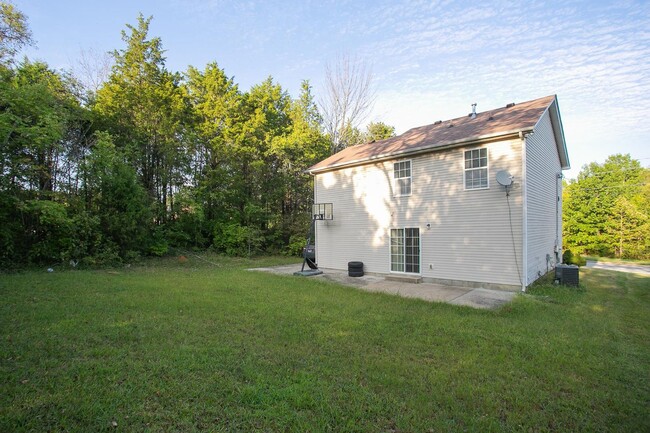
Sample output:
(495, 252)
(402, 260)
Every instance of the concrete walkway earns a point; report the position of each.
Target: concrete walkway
(476, 298)
(620, 267)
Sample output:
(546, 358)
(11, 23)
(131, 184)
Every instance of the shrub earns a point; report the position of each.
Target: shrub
(107, 255)
(50, 230)
(159, 245)
(132, 256)
(570, 258)
(296, 244)
(189, 226)
(233, 239)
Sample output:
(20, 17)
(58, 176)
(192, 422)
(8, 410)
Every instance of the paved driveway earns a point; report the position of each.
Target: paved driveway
(477, 298)
(621, 267)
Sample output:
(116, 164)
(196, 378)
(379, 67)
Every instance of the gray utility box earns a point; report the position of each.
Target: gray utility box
(569, 275)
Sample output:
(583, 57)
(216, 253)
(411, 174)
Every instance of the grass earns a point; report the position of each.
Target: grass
(171, 346)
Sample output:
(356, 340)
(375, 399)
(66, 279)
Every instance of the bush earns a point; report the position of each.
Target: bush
(132, 256)
(50, 230)
(188, 228)
(234, 239)
(86, 236)
(107, 255)
(159, 245)
(570, 258)
(296, 244)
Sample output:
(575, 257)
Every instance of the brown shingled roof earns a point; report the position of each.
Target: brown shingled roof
(489, 124)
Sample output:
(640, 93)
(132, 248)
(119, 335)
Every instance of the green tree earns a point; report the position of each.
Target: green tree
(39, 107)
(376, 131)
(301, 147)
(145, 108)
(48, 229)
(350, 136)
(257, 166)
(116, 199)
(41, 125)
(605, 209)
(627, 228)
(218, 113)
(14, 32)
(249, 155)
(151, 159)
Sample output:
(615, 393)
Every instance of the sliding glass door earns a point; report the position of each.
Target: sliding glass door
(405, 250)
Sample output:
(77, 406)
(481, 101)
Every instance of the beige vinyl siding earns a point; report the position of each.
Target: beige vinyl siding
(544, 214)
(360, 198)
(469, 238)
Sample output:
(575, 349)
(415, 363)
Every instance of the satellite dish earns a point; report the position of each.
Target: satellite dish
(504, 178)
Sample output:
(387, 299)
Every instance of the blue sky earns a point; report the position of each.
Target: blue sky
(430, 60)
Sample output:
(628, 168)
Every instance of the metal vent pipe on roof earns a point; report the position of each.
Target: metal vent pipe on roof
(473, 115)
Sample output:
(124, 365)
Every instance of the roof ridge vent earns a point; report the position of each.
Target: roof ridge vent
(437, 122)
(510, 105)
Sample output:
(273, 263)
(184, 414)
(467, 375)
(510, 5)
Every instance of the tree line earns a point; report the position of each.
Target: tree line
(150, 159)
(147, 159)
(607, 210)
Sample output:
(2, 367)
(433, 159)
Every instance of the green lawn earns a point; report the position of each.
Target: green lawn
(173, 346)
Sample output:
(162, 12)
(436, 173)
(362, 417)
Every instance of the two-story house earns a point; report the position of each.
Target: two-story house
(427, 203)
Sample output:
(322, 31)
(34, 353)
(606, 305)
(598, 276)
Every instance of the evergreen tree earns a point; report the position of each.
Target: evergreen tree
(217, 113)
(303, 146)
(145, 107)
(116, 199)
(376, 131)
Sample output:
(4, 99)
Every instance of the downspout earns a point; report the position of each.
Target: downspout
(558, 190)
(313, 176)
(524, 229)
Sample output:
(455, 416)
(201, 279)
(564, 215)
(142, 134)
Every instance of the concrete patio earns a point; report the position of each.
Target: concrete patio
(476, 298)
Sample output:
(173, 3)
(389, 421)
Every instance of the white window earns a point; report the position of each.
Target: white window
(402, 178)
(476, 168)
(405, 250)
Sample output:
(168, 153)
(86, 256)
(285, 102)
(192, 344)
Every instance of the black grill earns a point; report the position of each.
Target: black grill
(309, 252)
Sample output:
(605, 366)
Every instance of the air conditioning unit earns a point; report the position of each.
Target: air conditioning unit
(568, 275)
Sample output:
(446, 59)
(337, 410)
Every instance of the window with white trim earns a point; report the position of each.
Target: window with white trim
(476, 168)
(402, 178)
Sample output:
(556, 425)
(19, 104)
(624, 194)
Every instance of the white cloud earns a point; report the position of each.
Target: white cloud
(431, 59)
(437, 61)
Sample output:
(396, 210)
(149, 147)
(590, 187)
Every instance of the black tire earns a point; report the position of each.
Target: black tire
(311, 263)
(355, 269)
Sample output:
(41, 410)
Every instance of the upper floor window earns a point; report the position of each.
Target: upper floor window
(476, 168)
(402, 178)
